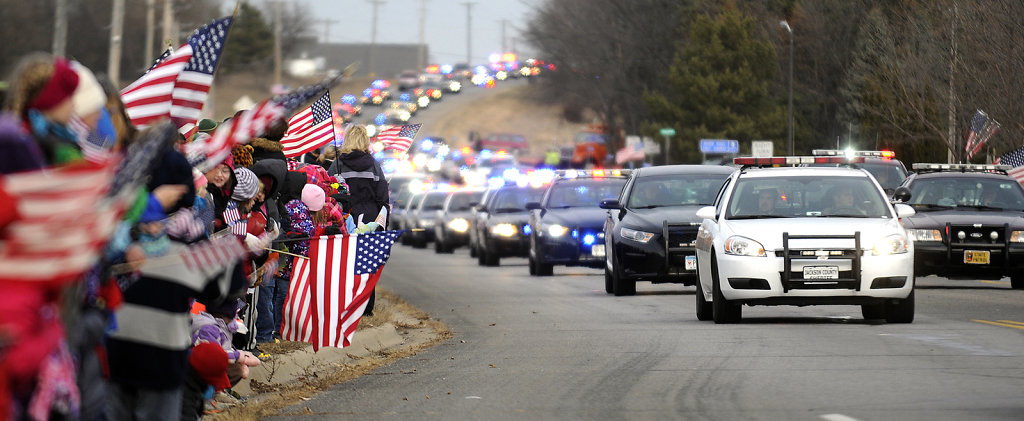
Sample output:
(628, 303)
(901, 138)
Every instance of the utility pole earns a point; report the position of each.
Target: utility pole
(168, 23)
(327, 28)
(147, 58)
(953, 144)
(60, 30)
(469, 32)
(789, 131)
(373, 37)
(116, 28)
(421, 58)
(277, 42)
(503, 44)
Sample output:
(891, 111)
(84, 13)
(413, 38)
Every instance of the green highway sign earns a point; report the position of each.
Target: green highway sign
(668, 132)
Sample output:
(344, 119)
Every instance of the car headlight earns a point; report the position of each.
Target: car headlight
(638, 236)
(743, 246)
(459, 224)
(427, 223)
(1017, 237)
(931, 235)
(893, 244)
(504, 230)
(557, 230)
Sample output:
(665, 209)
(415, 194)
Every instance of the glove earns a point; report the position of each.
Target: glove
(255, 244)
(332, 230)
(272, 230)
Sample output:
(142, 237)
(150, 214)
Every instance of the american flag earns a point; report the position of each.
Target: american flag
(177, 86)
(213, 255)
(233, 219)
(982, 128)
(63, 222)
(309, 129)
(329, 291)
(1014, 159)
(398, 138)
(95, 148)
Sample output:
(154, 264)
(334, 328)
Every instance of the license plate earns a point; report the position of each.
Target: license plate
(976, 257)
(691, 262)
(597, 250)
(821, 272)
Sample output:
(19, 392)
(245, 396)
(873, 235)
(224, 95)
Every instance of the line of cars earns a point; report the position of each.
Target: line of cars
(815, 230)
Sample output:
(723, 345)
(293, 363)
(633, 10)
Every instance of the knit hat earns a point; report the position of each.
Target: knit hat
(313, 196)
(206, 125)
(242, 155)
(59, 88)
(211, 363)
(89, 96)
(247, 187)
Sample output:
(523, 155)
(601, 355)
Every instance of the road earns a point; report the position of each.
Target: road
(560, 348)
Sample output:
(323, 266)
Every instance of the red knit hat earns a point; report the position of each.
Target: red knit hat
(211, 363)
(59, 88)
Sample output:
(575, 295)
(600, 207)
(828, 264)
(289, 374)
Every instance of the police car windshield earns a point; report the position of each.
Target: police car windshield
(675, 190)
(462, 200)
(584, 193)
(889, 176)
(433, 201)
(515, 199)
(942, 193)
(806, 196)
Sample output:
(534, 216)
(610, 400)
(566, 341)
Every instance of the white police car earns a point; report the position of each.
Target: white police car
(803, 236)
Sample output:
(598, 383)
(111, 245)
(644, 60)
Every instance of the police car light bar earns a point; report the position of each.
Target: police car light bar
(592, 173)
(838, 152)
(961, 167)
(793, 160)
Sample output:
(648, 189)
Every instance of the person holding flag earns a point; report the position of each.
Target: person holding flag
(367, 186)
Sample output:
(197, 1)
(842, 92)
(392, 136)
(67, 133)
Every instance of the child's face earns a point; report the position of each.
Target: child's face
(151, 228)
(219, 175)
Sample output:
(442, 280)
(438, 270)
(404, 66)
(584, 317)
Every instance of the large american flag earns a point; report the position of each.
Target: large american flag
(982, 128)
(398, 138)
(329, 291)
(309, 129)
(1014, 159)
(178, 85)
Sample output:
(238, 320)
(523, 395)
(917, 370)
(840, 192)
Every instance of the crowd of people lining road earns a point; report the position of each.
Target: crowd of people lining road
(123, 342)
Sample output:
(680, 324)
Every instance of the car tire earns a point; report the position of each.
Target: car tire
(472, 250)
(532, 266)
(872, 311)
(620, 284)
(609, 284)
(704, 310)
(492, 259)
(481, 257)
(1017, 281)
(438, 247)
(901, 311)
(722, 311)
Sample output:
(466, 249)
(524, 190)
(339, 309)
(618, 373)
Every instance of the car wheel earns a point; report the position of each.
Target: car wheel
(438, 247)
(620, 284)
(873, 311)
(472, 249)
(722, 311)
(1017, 281)
(481, 257)
(901, 311)
(609, 284)
(492, 259)
(420, 243)
(704, 310)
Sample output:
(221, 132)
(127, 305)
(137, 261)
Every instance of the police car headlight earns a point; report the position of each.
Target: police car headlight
(557, 230)
(504, 230)
(638, 236)
(928, 235)
(427, 223)
(1017, 237)
(893, 244)
(743, 246)
(459, 224)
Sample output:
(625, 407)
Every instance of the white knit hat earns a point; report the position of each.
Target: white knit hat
(89, 96)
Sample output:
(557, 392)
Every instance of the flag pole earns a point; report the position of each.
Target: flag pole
(285, 252)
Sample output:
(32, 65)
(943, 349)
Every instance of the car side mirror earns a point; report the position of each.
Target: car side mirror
(533, 205)
(481, 208)
(904, 211)
(609, 204)
(707, 212)
(902, 194)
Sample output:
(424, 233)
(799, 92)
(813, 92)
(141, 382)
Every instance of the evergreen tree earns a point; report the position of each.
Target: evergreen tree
(718, 87)
(250, 41)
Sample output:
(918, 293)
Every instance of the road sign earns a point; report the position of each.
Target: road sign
(668, 132)
(762, 148)
(651, 147)
(719, 146)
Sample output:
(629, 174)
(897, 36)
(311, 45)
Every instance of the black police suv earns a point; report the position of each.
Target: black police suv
(969, 222)
(567, 226)
(503, 224)
(650, 232)
(451, 223)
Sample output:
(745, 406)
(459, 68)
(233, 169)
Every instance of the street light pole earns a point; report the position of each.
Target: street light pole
(789, 125)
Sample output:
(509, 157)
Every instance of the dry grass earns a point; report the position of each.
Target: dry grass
(389, 308)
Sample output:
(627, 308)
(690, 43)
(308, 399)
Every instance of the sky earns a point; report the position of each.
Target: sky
(445, 28)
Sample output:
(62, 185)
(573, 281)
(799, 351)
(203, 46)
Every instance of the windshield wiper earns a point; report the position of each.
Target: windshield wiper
(506, 210)
(850, 215)
(647, 207)
(982, 207)
(928, 206)
(759, 217)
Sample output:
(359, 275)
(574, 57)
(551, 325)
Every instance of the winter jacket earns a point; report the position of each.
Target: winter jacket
(18, 151)
(207, 328)
(366, 183)
(266, 149)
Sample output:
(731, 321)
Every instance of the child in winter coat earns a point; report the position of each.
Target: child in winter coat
(217, 325)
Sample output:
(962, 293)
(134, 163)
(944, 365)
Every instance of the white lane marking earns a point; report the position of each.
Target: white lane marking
(473, 397)
(837, 417)
(946, 340)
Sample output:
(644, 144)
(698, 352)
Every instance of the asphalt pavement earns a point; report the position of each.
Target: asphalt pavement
(560, 348)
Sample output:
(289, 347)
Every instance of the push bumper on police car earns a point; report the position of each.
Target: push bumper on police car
(574, 247)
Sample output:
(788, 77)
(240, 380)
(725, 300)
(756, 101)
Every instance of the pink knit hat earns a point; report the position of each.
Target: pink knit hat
(313, 196)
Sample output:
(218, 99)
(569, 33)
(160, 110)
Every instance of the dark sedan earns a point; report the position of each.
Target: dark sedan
(421, 219)
(567, 225)
(451, 223)
(503, 224)
(650, 231)
(969, 222)
(400, 217)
